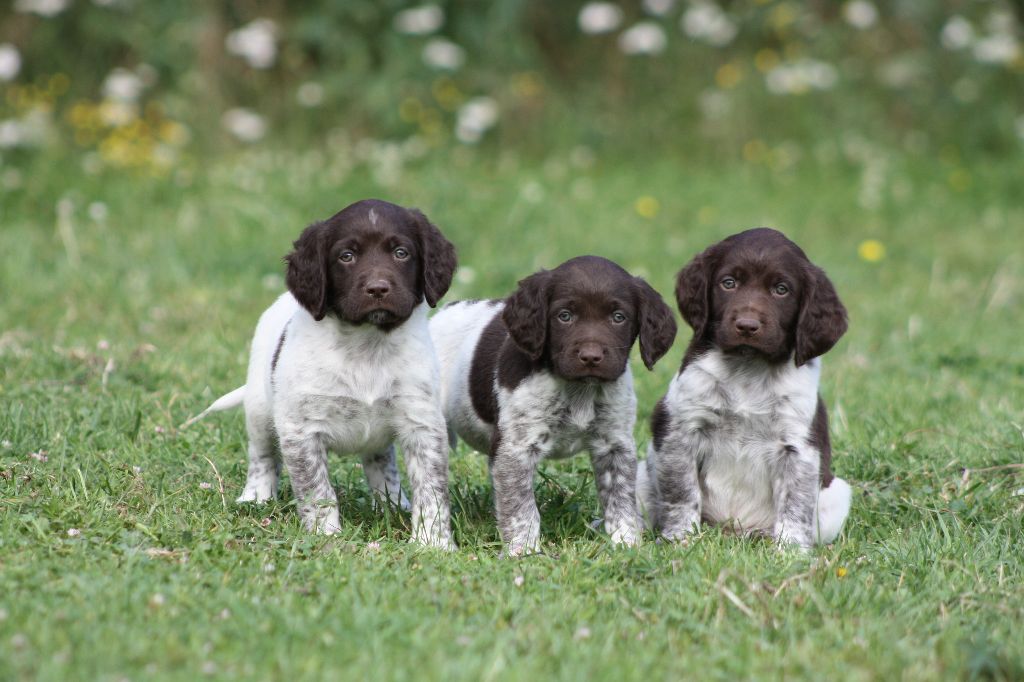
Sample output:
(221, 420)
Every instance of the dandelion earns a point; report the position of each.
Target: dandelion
(599, 17)
(647, 206)
(122, 85)
(841, 572)
(422, 20)
(706, 21)
(310, 94)
(474, 118)
(244, 124)
(255, 43)
(871, 250)
(728, 76)
(74, 532)
(957, 33)
(860, 14)
(10, 62)
(518, 581)
(440, 53)
(645, 37)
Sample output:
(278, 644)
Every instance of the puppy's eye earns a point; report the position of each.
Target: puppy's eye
(346, 256)
(618, 317)
(780, 289)
(564, 316)
(728, 283)
(401, 253)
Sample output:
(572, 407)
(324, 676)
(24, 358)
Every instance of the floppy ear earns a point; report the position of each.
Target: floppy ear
(526, 314)
(692, 291)
(439, 262)
(657, 325)
(822, 318)
(306, 277)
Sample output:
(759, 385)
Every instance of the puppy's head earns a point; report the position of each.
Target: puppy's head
(756, 293)
(372, 263)
(582, 318)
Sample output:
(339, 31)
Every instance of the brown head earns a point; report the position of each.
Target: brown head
(373, 262)
(756, 293)
(582, 318)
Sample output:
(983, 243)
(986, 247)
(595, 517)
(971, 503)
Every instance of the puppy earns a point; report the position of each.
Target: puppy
(344, 362)
(545, 374)
(741, 437)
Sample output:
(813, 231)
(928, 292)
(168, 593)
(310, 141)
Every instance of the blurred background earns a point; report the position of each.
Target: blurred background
(156, 87)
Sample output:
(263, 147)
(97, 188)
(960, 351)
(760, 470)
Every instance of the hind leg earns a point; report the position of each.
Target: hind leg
(382, 476)
(264, 462)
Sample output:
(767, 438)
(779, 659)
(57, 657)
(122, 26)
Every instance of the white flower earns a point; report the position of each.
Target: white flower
(74, 532)
(419, 21)
(244, 124)
(801, 76)
(122, 85)
(465, 275)
(11, 134)
(518, 581)
(658, 8)
(860, 14)
(255, 43)
(645, 37)
(440, 53)
(10, 62)
(310, 94)
(957, 33)
(204, 485)
(98, 211)
(475, 118)
(44, 8)
(115, 113)
(599, 17)
(997, 49)
(706, 21)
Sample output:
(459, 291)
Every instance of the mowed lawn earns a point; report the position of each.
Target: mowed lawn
(127, 306)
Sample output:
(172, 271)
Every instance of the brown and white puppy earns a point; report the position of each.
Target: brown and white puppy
(741, 437)
(545, 374)
(344, 362)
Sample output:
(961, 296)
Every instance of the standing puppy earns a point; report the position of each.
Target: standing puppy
(545, 374)
(344, 362)
(741, 437)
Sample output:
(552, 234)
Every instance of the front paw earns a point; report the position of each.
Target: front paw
(522, 549)
(624, 534)
(789, 539)
(435, 540)
(259, 492)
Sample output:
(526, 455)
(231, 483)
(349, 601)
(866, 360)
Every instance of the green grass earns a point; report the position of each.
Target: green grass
(114, 331)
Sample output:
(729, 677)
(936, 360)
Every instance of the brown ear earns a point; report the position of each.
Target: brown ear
(692, 290)
(822, 318)
(526, 314)
(439, 261)
(657, 324)
(306, 277)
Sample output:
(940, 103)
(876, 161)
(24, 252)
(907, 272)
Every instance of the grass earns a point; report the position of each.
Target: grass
(115, 328)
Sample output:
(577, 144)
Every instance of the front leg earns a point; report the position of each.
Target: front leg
(381, 472)
(676, 465)
(614, 462)
(515, 454)
(305, 456)
(424, 440)
(795, 494)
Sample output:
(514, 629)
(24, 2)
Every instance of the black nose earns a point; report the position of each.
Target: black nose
(378, 288)
(591, 354)
(747, 326)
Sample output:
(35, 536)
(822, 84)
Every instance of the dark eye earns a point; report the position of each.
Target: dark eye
(618, 317)
(728, 283)
(346, 256)
(564, 316)
(401, 253)
(781, 289)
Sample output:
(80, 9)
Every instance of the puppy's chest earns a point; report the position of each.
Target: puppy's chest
(563, 415)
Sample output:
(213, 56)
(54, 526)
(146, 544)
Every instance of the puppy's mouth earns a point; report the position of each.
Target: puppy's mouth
(754, 351)
(382, 318)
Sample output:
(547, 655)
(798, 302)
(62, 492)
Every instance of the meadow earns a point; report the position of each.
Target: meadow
(128, 304)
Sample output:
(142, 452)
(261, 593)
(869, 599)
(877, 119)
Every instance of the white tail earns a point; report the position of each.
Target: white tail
(227, 401)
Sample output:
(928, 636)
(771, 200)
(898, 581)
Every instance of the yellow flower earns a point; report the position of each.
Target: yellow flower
(765, 60)
(755, 151)
(647, 206)
(871, 250)
(841, 572)
(959, 180)
(728, 76)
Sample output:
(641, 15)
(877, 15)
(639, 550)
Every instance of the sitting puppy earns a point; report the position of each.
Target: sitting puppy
(344, 362)
(741, 437)
(545, 374)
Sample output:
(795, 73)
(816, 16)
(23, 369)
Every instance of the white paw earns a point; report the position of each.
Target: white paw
(258, 492)
(517, 550)
(437, 541)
